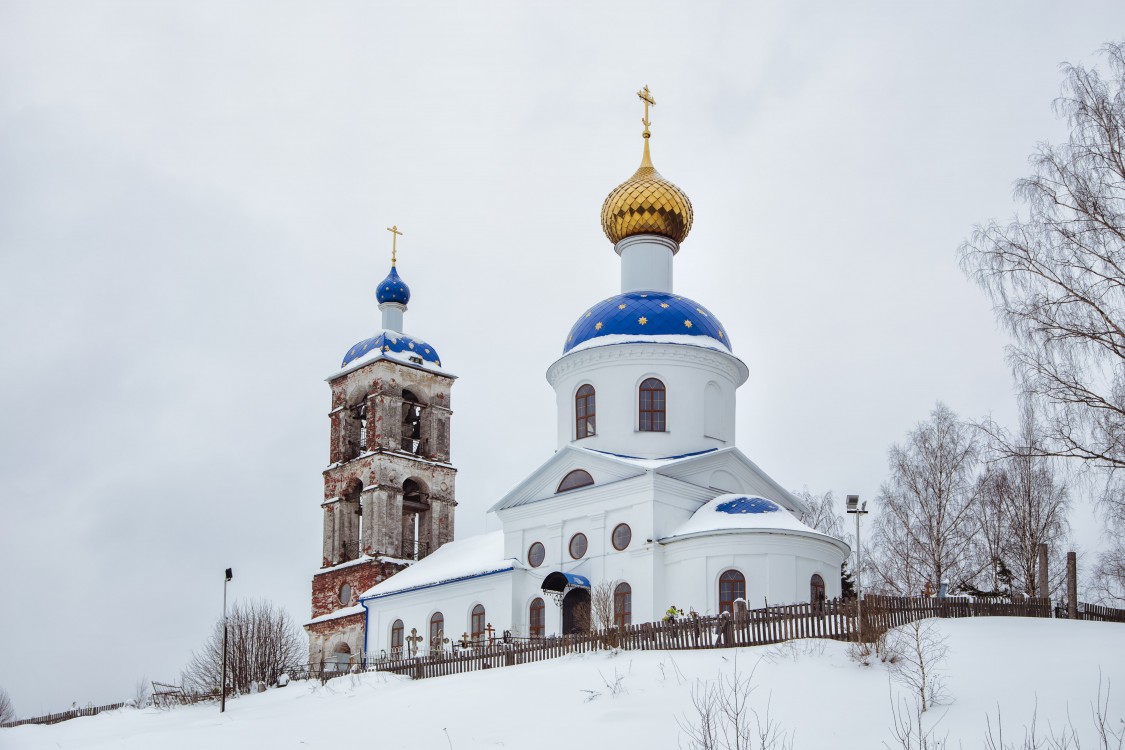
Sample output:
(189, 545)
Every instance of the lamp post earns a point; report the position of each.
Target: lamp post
(227, 575)
(858, 509)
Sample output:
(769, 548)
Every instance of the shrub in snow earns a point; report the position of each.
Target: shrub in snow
(917, 652)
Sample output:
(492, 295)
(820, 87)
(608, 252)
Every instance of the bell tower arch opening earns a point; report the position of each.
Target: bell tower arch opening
(416, 537)
(412, 441)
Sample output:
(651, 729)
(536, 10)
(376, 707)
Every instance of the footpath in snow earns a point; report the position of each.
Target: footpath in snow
(813, 690)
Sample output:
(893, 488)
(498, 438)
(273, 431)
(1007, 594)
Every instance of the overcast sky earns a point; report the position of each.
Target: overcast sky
(193, 199)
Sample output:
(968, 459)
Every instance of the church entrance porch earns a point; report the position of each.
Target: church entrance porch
(576, 611)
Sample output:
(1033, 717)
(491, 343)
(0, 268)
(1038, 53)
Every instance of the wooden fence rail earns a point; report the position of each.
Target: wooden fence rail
(64, 715)
(831, 619)
(837, 620)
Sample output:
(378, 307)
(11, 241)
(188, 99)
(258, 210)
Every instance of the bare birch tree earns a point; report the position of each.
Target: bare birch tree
(824, 514)
(1032, 496)
(1056, 275)
(923, 530)
(262, 641)
(7, 710)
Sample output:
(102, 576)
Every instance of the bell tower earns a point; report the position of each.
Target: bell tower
(389, 492)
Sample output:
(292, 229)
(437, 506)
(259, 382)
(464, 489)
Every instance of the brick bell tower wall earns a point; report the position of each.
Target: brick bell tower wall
(389, 491)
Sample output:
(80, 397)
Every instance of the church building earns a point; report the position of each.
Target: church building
(647, 498)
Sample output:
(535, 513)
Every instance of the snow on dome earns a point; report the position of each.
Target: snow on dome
(454, 561)
(747, 505)
(740, 512)
(648, 316)
(393, 343)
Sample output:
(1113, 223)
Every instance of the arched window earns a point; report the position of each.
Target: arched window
(622, 605)
(732, 585)
(584, 409)
(437, 631)
(574, 480)
(713, 411)
(536, 627)
(652, 406)
(476, 625)
(396, 639)
(816, 591)
(346, 593)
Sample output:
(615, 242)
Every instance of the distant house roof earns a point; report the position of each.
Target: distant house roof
(473, 557)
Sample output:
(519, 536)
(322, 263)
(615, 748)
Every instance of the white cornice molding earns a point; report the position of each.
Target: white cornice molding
(647, 239)
(731, 366)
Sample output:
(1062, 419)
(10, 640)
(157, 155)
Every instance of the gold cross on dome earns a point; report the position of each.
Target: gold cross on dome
(393, 229)
(646, 97)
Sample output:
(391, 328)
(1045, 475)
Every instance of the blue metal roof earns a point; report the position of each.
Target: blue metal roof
(389, 341)
(393, 289)
(747, 504)
(646, 314)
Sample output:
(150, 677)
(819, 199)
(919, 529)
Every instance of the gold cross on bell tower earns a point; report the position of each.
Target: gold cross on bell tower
(646, 97)
(393, 229)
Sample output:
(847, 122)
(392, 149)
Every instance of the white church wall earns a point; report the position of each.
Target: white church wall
(596, 512)
(455, 601)
(777, 568)
(616, 372)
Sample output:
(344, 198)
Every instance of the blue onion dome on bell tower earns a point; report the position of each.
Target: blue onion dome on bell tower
(393, 289)
(390, 342)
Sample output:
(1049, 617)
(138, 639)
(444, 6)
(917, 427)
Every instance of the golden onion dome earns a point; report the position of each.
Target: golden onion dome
(646, 203)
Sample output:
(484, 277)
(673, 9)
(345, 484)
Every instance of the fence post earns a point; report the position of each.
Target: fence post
(1044, 579)
(1072, 586)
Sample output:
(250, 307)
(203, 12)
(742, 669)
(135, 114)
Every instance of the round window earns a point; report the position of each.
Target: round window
(577, 546)
(535, 555)
(622, 535)
(346, 593)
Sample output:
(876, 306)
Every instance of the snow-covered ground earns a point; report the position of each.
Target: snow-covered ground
(814, 691)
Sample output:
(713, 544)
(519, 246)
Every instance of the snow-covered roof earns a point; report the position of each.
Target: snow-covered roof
(740, 512)
(394, 346)
(646, 463)
(343, 612)
(668, 338)
(455, 561)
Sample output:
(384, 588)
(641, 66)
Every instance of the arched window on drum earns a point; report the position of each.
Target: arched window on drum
(652, 407)
(584, 412)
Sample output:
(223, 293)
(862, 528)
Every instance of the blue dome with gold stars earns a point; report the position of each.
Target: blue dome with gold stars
(394, 346)
(646, 314)
(393, 289)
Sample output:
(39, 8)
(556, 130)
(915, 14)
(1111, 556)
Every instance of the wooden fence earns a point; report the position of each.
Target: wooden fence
(835, 620)
(1095, 612)
(63, 716)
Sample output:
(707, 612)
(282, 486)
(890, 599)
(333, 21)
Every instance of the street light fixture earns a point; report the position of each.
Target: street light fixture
(227, 575)
(858, 509)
